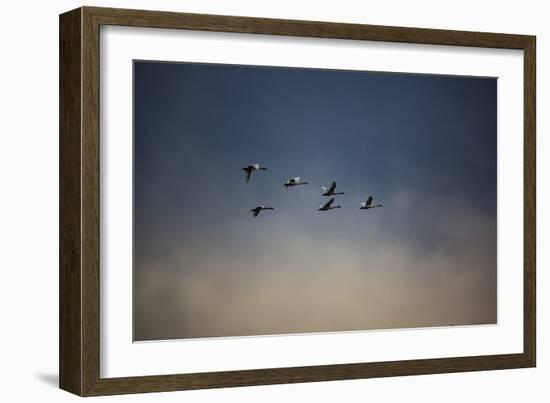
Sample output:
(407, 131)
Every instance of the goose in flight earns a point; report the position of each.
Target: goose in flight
(328, 205)
(255, 211)
(330, 191)
(368, 204)
(293, 182)
(250, 168)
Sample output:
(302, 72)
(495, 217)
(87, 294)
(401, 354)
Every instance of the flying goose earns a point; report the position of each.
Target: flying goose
(328, 205)
(255, 211)
(250, 168)
(330, 191)
(293, 182)
(368, 204)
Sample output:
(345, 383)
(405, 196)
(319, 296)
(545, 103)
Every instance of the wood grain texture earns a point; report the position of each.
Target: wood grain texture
(319, 373)
(530, 203)
(79, 201)
(317, 29)
(90, 201)
(70, 313)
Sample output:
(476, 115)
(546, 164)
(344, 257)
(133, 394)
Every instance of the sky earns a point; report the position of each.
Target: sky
(425, 146)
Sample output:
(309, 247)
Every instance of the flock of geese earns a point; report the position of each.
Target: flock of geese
(328, 192)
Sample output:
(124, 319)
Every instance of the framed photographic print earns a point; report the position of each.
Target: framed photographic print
(248, 201)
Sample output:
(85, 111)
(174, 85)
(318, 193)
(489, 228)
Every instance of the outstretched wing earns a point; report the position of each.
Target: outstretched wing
(369, 201)
(247, 174)
(255, 211)
(332, 187)
(327, 204)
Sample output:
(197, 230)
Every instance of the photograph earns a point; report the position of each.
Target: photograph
(249, 198)
(273, 200)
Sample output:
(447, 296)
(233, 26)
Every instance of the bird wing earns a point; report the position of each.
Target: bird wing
(369, 201)
(324, 189)
(327, 204)
(256, 212)
(296, 179)
(247, 174)
(332, 187)
(363, 204)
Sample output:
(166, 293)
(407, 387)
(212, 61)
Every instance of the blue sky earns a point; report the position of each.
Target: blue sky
(423, 145)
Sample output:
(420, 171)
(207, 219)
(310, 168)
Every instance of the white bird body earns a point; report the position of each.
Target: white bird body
(368, 204)
(328, 205)
(256, 210)
(251, 168)
(293, 182)
(330, 190)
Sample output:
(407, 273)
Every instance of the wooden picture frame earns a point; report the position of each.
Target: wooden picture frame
(79, 201)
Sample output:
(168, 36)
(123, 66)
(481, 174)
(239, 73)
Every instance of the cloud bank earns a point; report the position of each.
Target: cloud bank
(302, 281)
